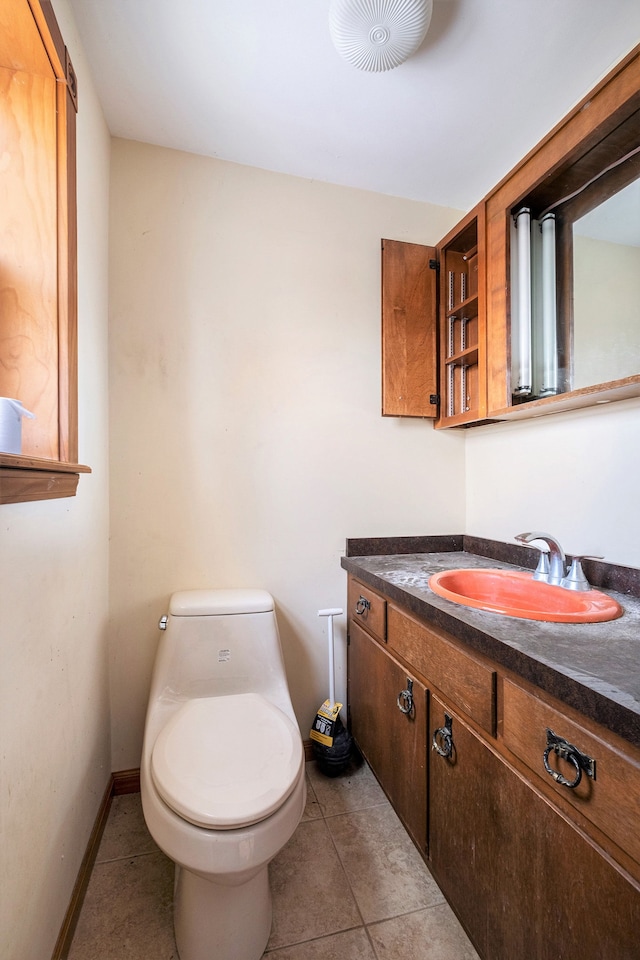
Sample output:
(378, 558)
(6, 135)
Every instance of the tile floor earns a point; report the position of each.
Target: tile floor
(378, 900)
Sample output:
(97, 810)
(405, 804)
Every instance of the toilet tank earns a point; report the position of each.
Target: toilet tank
(203, 603)
(220, 642)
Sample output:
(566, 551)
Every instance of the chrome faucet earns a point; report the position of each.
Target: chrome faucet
(552, 566)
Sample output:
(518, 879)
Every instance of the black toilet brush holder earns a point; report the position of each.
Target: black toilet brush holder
(333, 760)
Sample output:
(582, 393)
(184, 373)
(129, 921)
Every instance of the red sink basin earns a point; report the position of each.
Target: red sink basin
(516, 594)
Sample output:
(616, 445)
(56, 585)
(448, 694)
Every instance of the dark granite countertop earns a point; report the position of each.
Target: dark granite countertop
(592, 667)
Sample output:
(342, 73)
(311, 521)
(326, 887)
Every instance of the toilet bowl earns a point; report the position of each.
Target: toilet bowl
(222, 775)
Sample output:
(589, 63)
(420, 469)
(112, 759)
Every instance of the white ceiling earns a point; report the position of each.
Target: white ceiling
(260, 83)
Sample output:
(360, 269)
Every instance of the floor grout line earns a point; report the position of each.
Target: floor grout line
(346, 875)
(368, 806)
(364, 925)
(322, 936)
(128, 856)
(325, 813)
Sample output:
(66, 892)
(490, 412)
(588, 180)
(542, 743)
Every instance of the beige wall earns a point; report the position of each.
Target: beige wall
(574, 475)
(54, 704)
(246, 437)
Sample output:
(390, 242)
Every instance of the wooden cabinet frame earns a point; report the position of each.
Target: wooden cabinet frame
(462, 311)
(603, 128)
(35, 40)
(562, 162)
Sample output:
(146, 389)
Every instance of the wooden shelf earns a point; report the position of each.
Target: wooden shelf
(470, 304)
(24, 478)
(462, 330)
(627, 388)
(465, 358)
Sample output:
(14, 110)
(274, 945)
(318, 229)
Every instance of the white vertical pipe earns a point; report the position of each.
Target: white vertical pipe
(334, 612)
(332, 669)
(522, 370)
(549, 329)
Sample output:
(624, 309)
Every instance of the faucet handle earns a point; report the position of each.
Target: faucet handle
(575, 579)
(543, 569)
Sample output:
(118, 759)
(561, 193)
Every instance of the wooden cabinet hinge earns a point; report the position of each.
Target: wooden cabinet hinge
(72, 80)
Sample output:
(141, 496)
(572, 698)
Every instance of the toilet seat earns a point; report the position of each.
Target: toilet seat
(227, 762)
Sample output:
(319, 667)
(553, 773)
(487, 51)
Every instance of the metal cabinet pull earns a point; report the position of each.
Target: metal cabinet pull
(362, 606)
(566, 751)
(442, 741)
(405, 698)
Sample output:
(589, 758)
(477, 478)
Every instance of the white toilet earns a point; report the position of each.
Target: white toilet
(222, 775)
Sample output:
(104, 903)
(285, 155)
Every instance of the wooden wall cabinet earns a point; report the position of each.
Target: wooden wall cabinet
(531, 867)
(585, 159)
(38, 319)
(433, 332)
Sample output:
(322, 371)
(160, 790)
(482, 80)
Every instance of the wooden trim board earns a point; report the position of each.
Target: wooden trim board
(63, 943)
(120, 783)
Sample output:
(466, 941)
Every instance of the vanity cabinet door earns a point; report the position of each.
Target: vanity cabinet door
(393, 742)
(464, 823)
(524, 881)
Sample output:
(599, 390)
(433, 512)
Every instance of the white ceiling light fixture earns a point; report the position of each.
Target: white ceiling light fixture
(378, 35)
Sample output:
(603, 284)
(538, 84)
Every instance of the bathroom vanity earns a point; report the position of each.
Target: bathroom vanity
(509, 748)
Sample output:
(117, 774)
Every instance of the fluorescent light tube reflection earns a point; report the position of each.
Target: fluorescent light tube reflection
(521, 322)
(549, 330)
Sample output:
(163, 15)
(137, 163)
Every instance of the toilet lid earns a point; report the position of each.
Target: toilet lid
(227, 762)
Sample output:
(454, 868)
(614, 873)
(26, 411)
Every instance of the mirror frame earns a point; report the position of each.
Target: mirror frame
(550, 171)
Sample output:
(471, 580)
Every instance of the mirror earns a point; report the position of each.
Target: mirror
(587, 316)
(606, 290)
(575, 272)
